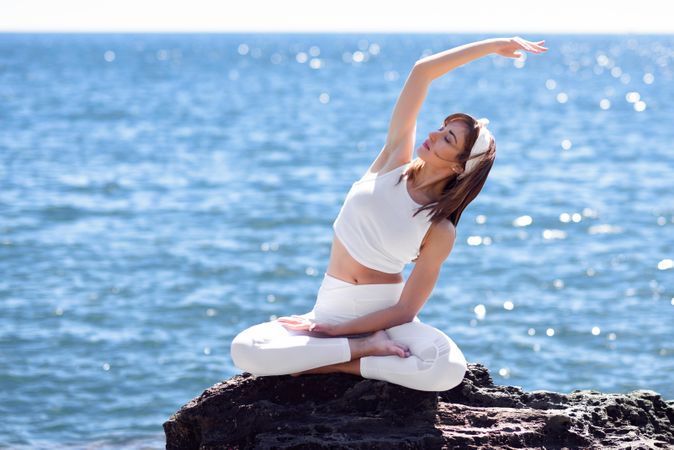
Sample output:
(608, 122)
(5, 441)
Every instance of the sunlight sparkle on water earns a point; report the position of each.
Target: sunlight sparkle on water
(358, 56)
(301, 57)
(589, 212)
(474, 240)
(523, 221)
(604, 61)
(666, 264)
(566, 217)
(480, 311)
(604, 228)
(554, 234)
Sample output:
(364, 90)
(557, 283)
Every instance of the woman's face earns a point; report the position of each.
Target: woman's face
(444, 144)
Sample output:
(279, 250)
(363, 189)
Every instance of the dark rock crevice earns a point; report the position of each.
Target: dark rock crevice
(346, 411)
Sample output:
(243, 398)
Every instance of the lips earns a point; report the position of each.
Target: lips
(426, 145)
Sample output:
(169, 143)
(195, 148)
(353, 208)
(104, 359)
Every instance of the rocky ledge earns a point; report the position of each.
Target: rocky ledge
(345, 411)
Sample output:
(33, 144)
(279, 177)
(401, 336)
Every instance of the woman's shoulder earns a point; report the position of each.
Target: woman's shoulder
(384, 170)
(443, 231)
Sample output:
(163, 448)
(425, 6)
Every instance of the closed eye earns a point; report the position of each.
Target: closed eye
(446, 140)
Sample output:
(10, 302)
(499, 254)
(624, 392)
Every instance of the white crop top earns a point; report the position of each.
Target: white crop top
(375, 223)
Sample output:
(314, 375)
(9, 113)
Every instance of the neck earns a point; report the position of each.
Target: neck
(431, 180)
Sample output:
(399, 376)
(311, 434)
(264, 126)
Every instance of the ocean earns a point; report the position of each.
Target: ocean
(159, 193)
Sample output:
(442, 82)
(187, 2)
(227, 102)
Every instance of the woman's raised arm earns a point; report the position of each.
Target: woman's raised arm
(438, 64)
(399, 145)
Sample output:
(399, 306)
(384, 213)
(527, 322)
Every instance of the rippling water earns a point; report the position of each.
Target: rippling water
(159, 193)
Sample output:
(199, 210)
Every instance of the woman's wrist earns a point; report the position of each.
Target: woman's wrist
(331, 329)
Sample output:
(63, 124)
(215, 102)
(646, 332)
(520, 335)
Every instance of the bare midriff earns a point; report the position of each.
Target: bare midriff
(342, 266)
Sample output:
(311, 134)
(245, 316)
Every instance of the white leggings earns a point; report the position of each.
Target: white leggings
(435, 364)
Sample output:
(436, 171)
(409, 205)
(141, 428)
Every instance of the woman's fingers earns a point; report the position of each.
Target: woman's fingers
(292, 318)
(297, 323)
(530, 46)
(287, 319)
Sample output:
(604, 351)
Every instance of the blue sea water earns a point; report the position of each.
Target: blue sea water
(161, 192)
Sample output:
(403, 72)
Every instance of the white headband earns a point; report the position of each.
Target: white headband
(479, 148)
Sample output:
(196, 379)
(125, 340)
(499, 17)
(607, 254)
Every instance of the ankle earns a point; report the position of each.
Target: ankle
(359, 347)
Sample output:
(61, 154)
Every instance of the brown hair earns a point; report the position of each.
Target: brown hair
(458, 193)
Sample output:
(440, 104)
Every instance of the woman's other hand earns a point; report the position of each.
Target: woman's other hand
(508, 46)
(300, 323)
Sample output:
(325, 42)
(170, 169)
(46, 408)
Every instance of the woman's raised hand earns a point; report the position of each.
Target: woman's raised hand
(507, 46)
(303, 324)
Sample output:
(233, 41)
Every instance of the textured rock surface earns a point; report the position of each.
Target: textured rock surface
(345, 411)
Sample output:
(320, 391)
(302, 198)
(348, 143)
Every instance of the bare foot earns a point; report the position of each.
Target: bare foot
(380, 344)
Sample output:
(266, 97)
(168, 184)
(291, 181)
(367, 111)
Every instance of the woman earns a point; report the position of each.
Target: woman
(365, 319)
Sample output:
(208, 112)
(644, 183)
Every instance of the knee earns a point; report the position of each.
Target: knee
(449, 367)
(451, 374)
(242, 351)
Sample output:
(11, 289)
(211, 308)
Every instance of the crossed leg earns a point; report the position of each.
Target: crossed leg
(270, 349)
(378, 344)
(435, 363)
(414, 354)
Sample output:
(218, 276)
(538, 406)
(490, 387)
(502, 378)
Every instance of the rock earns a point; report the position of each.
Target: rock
(345, 411)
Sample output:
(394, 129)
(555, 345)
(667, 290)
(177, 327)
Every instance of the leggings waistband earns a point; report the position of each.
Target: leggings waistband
(340, 300)
(331, 282)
